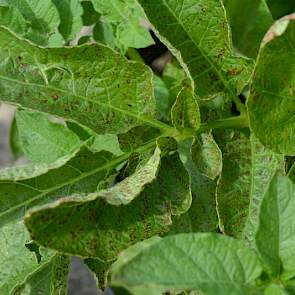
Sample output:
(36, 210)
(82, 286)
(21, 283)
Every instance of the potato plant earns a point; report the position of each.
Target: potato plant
(159, 138)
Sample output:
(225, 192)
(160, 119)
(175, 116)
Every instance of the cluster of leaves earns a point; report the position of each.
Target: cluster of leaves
(180, 183)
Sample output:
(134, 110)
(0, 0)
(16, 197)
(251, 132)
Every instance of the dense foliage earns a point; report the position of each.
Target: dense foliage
(174, 179)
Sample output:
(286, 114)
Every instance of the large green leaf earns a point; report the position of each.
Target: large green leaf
(37, 21)
(248, 168)
(210, 263)
(249, 22)
(44, 141)
(271, 103)
(275, 237)
(197, 33)
(126, 16)
(90, 84)
(18, 263)
(107, 229)
(70, 13)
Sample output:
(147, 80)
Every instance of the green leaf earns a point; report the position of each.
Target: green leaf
(197, 33)
(44, 141)
(210, 263)
(271, 103)
(185, 112)
(275, 237)
(126, 17)
(207, 155)
(50, 279)
(90, 16)
(275, 289)
(92, 85)
(248, 168)
(106, 142)
(280, 8)
(202, 215)
(125, 191)
(70, 13)
(14, 140)
(100, 269)
(18, 263)
(24, 187)
(106, 229)
(34, 20)
(249, 22)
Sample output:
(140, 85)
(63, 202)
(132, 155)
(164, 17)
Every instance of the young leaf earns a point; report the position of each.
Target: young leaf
(18, 263)
(207, 155)
(197, 33)
(107, 229)
(70, 13)
(275, 237)
(271, 103)
(209, 263)
(249, 22)
(34, 20)
(42, 140)
(185, 112)
(126, 17)
(248, 168)
(90, 84)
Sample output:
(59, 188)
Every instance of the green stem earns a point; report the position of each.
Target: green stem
(232, 122)
(240, 106)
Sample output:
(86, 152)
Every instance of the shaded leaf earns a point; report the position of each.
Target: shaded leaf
(70, 13)
(280, 8)
(271, 102)
(210, 263)
(248, 168)
(249, 20)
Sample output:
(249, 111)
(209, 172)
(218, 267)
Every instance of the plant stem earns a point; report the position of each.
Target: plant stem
(240, 106)
(232, 122)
